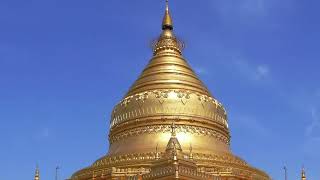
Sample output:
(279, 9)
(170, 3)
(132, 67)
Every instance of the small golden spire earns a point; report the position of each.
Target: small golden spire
(37, 174)
(190, 154)
(173, 144)
(157, 152)
(173, 130)
(303, 174)
(167, 20)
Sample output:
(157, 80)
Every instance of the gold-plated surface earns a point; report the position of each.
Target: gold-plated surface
(175, 164)
(169, 125)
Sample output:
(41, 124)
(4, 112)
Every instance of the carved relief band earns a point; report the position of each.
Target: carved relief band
(153, 129)
(162, 102)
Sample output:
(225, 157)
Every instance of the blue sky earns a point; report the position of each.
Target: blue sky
(65, 64)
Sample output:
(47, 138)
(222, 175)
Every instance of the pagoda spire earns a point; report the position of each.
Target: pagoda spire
(37, 174)
(167, 20)
(167, 43)
(303, 174)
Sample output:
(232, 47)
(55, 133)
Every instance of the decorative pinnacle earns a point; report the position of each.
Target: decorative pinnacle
(303, 174)
(157, 152)
(37, 175)
(157, 147)
(190, 155)
(173, 130)
(167, 20)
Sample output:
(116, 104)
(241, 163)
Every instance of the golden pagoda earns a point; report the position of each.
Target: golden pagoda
(169, 126)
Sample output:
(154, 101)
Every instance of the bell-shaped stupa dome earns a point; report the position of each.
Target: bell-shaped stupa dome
(169, 92)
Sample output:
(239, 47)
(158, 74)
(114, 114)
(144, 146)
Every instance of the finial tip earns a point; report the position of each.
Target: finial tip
(167, 20)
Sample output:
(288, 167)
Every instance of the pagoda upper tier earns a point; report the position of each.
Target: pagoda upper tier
(168, 69)
(168, 90)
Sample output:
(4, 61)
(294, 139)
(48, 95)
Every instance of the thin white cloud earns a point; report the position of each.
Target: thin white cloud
(253, 124)
(313, 129)
(252, 12)
(254, 6)
(201, 70)
(303, 100)
(250, 71)
(42, 133)
(312, 147)
(262, 72)
(312, 132)
(242, 9)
